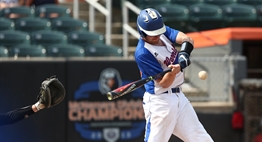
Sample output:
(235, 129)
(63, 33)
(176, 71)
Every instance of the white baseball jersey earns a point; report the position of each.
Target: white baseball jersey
(166, 112)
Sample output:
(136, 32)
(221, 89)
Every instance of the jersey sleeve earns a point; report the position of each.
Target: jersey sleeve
(171, 34)
(148, 65)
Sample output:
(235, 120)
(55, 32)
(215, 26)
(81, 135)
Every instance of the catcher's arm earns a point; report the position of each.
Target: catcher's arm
(16, 115)
(52, 92)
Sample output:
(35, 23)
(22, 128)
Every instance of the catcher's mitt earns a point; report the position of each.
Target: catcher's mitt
(52, 92)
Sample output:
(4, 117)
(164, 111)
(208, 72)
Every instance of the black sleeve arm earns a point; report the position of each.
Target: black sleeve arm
(186, 47)
(15, 115)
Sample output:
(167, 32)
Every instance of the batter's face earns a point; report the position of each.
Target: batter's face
(152, 39)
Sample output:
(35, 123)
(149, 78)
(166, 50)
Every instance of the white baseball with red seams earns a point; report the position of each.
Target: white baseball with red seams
(202, 75)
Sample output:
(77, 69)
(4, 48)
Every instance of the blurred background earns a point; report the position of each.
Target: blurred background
(89, 46)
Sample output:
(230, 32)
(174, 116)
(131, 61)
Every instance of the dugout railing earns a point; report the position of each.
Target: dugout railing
(95, 6)
(127, 29)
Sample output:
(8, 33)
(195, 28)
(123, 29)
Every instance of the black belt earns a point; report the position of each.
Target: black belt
(174, 90)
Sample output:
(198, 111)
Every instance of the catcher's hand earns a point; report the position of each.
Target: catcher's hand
(52, 92)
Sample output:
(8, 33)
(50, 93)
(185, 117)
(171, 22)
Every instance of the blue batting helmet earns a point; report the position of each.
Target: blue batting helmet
(149, 22)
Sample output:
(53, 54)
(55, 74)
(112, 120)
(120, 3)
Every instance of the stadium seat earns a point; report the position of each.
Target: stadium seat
(51, 11)
(6, 24)
(65, 50)
(10, 38)
(239, 15)
(205, 17)
(27, 51)
(3, 52)
(68, 24)
(186, 2)
(17, 12)
(32, 24)
(150, 3)
(103, 50)
(84, 38)
(220, 2)
(46, 38)
(174, 15)
(250, 2)
(259, 15)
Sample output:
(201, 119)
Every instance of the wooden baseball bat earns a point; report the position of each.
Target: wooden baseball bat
(118, 92)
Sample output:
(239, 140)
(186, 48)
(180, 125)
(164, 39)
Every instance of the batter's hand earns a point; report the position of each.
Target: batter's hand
(175, 69)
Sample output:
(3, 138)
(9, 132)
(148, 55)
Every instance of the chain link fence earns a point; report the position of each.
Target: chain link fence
(223, 73)
(251, 91)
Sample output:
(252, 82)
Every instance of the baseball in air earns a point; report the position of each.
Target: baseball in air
(202, 75)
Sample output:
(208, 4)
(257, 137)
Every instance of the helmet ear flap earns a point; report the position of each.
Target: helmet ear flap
(142, 34)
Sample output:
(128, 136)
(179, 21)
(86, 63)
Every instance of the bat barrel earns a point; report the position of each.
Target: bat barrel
(132, 86)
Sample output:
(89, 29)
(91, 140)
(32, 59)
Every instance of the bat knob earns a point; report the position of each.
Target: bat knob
(109, 96)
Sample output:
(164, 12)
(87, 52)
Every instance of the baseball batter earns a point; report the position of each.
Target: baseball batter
(167, 110)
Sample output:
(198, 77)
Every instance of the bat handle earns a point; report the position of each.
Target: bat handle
(161, 74)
